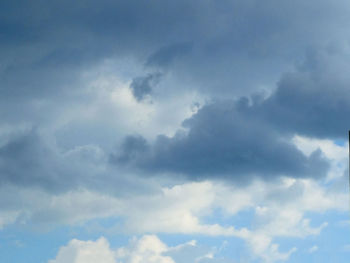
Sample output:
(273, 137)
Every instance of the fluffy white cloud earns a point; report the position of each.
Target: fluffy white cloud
(178, 209)
(146, 249)
(278, 210)
(85, 252)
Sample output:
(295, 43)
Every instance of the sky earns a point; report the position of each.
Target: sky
(160, 131)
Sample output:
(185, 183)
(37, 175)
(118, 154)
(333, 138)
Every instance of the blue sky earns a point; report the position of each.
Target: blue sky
(174, 131)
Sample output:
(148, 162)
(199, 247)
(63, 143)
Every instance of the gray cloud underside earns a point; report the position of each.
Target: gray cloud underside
(223, 49)
(143, 86)
(29, 160)
(314, 101)
(249, 136)
(223, 142)
(48, 44)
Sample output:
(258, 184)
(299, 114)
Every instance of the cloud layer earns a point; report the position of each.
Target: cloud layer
(174, 117)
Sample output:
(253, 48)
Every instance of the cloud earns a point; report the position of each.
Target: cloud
(85, 252)
(278, 210)
(273, 203)
(166, 55)
(313, 249)
(143, 86)
(145, 249)
(178, 210)
(26, 160)
(248, 44)
(148, 248)
(251, 136)
(31, 160)
(312, 100)
(335, 153)
(80, 74)
(223, 140)
(44, 84)
(272, 254)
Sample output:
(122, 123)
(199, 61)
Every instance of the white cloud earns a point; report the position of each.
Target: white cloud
(31, 206)
(328, 147)
(337, 154)
(278, 210)
(272, 254)
(192, 243)
(313, 249)
(177, 210)
(146, 249)
(209, 255)
(85, 252)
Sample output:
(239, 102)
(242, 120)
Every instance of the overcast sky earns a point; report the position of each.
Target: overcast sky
(162, 131)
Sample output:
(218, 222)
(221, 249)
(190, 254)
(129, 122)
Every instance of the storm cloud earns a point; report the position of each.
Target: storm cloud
(181, 118)
(80, 72)
(143, 86)
(313, 101)
(223, 141)
(251, 135)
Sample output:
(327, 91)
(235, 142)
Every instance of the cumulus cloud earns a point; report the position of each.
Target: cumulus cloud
(146, 249)
(221, 56)
(252, 135)
(278, 210)
(26, 160)
(225, 141)
(85, 252)
(80, 74)
(31, 159)
(54, 78)
(312, 100)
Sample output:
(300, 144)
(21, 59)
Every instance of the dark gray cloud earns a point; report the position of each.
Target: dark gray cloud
(250, 136)
(30, 160)
(47, 44)
(165, 56)
(221, 49)
(313, 101)
(132, 148)
(223, 141)
(26, 161)
(143, 86)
